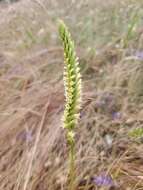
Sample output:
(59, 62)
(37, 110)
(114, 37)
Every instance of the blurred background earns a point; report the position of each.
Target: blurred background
(108, 37)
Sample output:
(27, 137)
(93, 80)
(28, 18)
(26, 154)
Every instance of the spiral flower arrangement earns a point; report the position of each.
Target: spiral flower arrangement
(72, 83)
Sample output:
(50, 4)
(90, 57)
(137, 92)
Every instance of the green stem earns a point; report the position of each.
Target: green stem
(72, 174)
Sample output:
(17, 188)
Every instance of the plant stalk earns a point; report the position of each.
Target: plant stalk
(72, 172)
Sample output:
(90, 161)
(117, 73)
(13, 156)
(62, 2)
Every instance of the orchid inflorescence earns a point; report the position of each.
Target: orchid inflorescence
(72, 83)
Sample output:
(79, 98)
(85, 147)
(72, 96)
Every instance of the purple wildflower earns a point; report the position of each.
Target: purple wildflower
(25, 136)
(139, 55)
(116, 115)
(29, 137)
(103, 180)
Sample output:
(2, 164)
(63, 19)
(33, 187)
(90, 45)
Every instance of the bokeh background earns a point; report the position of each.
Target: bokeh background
(109, 43)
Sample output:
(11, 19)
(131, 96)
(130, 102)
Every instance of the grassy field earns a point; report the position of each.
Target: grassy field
(109, 138)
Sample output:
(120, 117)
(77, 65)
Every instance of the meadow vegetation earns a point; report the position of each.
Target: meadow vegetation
(109, 137)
